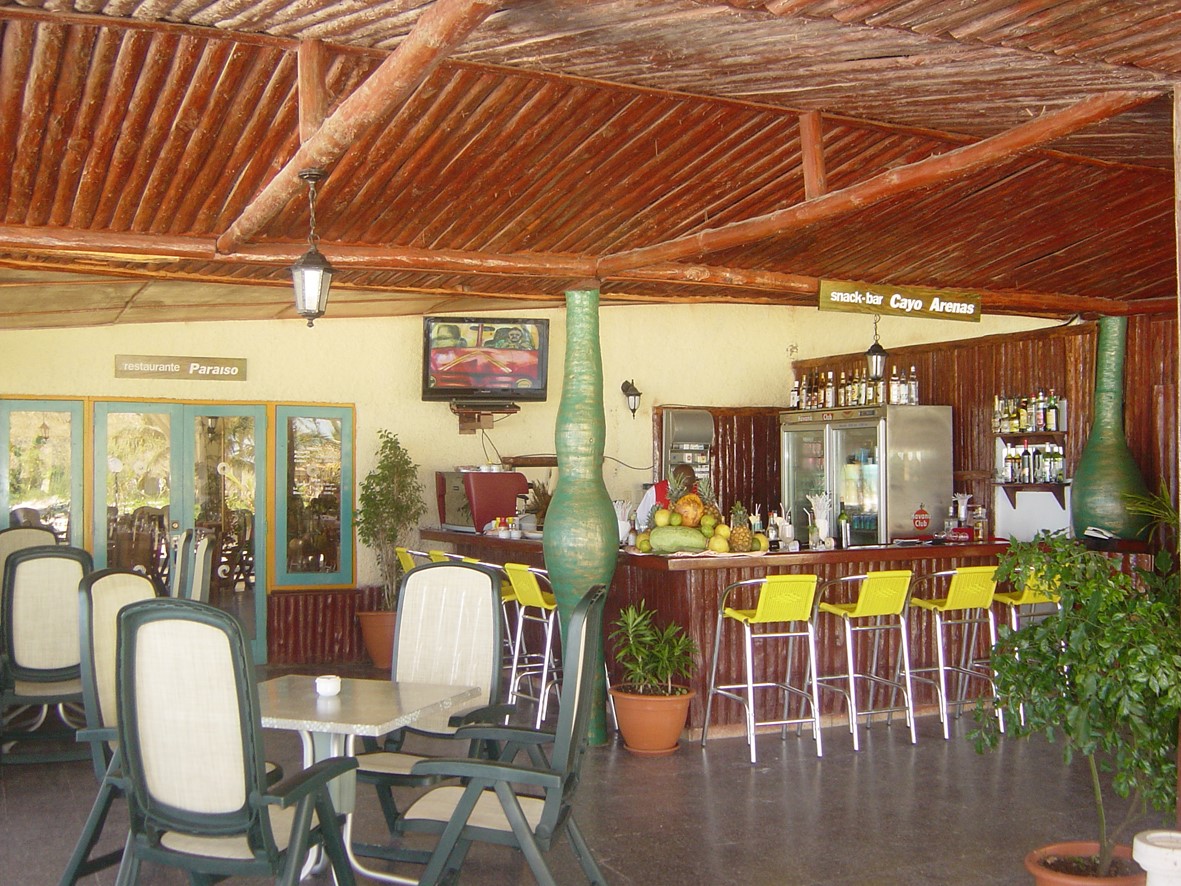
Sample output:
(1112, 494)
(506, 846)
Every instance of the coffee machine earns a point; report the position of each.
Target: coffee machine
(470, 500)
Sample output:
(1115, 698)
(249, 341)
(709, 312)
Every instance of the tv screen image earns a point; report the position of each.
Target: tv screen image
(485, 359)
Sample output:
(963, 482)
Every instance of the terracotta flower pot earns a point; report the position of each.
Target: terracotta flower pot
(1043, 876)
(651, 725)
(377, 633)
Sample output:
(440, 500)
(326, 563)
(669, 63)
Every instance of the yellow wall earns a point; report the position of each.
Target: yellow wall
(694, 355)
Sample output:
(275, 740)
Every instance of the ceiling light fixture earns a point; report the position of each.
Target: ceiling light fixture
(312, 273)
(875, 357)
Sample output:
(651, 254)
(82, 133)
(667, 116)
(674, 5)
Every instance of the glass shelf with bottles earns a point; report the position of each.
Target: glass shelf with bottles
(1033, 462)
(832, 390)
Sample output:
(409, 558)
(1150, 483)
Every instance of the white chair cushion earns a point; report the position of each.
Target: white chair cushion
(231, 847)
(387, 763)
(440, 803)
(61, 687)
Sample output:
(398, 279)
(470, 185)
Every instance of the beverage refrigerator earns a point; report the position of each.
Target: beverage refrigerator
(889, 465)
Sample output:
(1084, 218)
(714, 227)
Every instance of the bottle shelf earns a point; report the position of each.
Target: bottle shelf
(1034, 437)
(1058, 490)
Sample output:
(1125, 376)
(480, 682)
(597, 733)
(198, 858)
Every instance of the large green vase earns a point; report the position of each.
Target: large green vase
(581, 541)
(1106, 471)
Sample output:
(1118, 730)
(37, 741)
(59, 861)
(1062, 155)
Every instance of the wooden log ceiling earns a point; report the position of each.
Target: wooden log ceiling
(385, 102)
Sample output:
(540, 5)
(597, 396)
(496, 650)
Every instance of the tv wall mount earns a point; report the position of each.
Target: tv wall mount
(478, 416)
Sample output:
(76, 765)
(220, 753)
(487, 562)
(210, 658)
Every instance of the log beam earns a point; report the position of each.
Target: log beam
(812, 147)
(923, 173)
(441, 28)
(313, 97)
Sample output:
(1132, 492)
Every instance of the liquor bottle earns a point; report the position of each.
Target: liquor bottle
(903, 389)
(1037, 475)
(879, 392)
(772, 531)
(843, 537)
(1052, 411)
(830, 393)
(996, 413)
(1012, 465)
(843, 391)
(1026, 464)
(793, 399)
(1039, 410)
(1023, 414)
(912, 393)
(862, 388)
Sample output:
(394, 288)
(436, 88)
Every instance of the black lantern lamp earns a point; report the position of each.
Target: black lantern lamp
(312, 273)
(875, 357)
(633, 396)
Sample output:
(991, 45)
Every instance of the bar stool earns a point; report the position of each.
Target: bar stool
(968, 603)
(1033, 594)
(881, 606)
(538, 606)
(784, 600)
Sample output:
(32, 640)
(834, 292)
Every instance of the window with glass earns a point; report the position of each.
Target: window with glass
(41, 484)
(315, 514)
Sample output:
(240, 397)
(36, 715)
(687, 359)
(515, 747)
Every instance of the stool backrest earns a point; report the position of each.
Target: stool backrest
(405, 558)
(1036, 590)
(882, 593)
(785, 598)
(971, 587)
(437, 556)
(526, 587)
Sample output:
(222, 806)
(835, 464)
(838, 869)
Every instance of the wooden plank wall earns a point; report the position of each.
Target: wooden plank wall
(746, 453)
(967, 374)
(317, 625)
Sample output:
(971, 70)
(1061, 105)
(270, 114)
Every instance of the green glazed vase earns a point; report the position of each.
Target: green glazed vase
(1106, 471)
(581, 541)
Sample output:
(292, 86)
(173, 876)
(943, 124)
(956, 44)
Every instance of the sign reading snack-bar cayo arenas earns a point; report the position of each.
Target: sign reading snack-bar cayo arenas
(211, 368)
(901, 301)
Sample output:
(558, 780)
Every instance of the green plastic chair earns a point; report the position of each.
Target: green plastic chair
(192, 756)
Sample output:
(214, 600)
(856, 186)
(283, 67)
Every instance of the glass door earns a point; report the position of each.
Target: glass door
(161, 469)
(803, 473)
(857, 480)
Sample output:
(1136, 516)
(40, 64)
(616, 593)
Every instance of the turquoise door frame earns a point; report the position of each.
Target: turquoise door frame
(74, 409)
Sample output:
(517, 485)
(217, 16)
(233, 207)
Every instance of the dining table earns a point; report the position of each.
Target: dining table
(329, 725)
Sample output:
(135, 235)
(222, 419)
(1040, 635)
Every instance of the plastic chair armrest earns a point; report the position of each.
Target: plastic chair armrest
(97, 733)
(519, 734)
(292, 790)
(492, 770)
(486, 714)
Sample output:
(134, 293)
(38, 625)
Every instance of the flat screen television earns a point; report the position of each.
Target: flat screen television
(485, 359)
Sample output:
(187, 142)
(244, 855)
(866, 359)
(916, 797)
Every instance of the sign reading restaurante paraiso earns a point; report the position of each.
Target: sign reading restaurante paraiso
(901, 301)
(211, 368)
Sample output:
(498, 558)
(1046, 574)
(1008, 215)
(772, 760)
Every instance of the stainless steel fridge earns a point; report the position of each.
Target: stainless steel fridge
(890, 465)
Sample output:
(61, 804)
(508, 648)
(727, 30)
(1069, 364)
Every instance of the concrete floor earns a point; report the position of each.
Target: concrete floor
(895, 813)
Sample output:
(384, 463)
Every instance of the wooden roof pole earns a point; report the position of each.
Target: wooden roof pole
(441, 28)
(929, 171)
(812, 143)
(311, 61)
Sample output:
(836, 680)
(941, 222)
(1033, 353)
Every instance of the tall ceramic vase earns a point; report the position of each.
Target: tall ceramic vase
(1106, 471)
(581, 541)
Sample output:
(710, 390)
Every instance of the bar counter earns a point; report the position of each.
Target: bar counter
(686, 589)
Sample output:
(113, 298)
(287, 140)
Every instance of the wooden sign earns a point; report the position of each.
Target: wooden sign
(209, 368)
(898, 301)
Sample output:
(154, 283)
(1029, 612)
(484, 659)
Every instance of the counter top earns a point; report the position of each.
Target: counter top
(685, 563)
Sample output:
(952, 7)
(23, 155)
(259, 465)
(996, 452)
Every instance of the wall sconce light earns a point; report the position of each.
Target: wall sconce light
(312, 273)
(210, 428)
(875, 357)
(633, 396)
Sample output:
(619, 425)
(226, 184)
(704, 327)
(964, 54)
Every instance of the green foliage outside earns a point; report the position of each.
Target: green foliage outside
(389, 506)
(1102, 675)
(651, 657)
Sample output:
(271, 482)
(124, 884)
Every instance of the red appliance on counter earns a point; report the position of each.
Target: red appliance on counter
(470, 500)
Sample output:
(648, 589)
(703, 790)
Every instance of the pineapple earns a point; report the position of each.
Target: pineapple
(705, 489)
(741, 537)
(676, 487)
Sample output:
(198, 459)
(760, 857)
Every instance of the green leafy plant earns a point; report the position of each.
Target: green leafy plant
(1102, 675)
(390, 504)
(651, 657)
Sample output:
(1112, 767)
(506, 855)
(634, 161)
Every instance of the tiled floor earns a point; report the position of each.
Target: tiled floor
(895, 813)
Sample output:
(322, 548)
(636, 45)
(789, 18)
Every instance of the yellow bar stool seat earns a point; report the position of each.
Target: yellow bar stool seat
(1034, 593)
(785, 609)
(538, 605)
(880, 607)
(968, 604)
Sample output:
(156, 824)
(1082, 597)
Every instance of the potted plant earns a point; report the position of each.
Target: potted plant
(389, 505)
(650, 708)
(1103, 675)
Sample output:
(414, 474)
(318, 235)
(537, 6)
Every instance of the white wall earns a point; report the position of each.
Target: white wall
(697, 355)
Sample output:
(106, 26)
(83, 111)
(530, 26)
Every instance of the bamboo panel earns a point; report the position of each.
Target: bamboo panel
(317, 626)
